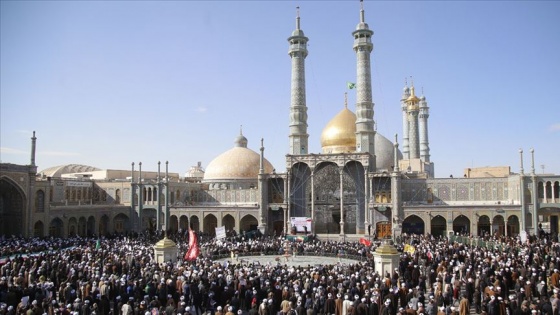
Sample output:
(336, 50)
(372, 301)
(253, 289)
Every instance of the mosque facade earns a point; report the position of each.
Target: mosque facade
(360, 184)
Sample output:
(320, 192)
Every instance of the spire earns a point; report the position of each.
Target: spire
(33, 146)
(297, 19)
(345, 99)
(261, 161)
(362, 13)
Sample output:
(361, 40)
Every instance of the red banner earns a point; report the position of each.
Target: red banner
(193, 251)
(365, 242)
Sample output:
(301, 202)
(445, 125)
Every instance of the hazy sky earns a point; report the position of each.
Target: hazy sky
(107, 83)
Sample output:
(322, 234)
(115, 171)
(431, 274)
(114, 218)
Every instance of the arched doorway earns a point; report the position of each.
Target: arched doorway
(413, 225)
(513, 226)
(149, 219)
(91, 226)
(11, 208)
(195, 223)
(462, 225)
(210, 224)
(173, 224)
(483, 226)
(383, 229)
(498, 226)
(439, 226)
(184, 223)
(121, 223)
(39, 229)
(82, 226)
(104, 225)
(248, 223)
(56, 228)
(229, 222)
(72, 226)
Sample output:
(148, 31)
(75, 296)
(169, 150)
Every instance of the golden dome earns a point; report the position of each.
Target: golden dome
(238, 162)
(340, 133)
(412, 98)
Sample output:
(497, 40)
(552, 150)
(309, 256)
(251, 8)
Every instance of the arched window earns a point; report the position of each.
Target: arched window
(155, 194)
(540, 189)
(40, 201)
(118, 196)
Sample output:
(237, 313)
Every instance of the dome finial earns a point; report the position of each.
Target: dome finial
(240, 130)
(241, 141)
(345, 99)
(405, 82)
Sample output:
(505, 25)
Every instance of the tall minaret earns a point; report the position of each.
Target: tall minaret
(405, 96)
(412, 111)
(423, 129)
(363, 46)
(298, 108)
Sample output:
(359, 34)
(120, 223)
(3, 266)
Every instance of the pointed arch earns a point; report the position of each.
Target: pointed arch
(56, 228)
(413, 225)
(82, 226)
(209, 225)
(39, 229)
(104, 225)
(498, 226)
(439, 226)
(173, 224)
(12, 207)
(462, 225)
(184, 223)
(121, 223)
(229, 222)
(195, 223)
(248, 223)
(483, 225)
(512, 226)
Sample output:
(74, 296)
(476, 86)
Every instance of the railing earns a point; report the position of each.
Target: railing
(314, 254)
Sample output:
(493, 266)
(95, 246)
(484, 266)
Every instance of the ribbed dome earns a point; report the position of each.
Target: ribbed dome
(236, 163)
(340, 133)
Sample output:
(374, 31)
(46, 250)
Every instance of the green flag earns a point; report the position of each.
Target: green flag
(98, 244)
(351, 85)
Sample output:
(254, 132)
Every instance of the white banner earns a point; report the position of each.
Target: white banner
(300, 223)
(220, 232)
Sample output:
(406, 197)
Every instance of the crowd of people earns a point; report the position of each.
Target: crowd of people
(119, 275)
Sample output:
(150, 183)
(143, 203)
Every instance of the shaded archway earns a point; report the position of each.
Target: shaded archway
(173, 224)
(210, 224)
(148, 219)
(104, 225)
(513, 226)
(462, 225)
(498, 226)
(39, 229)
(195, 223)
(184, 223)
(483, 226)
(72, 226)
(12, 201)
(91, 226)
(248, 223)
(229, 222)
(439, 226)
(56, 228)
(121, 223)
(82, 226)
(413, 225)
